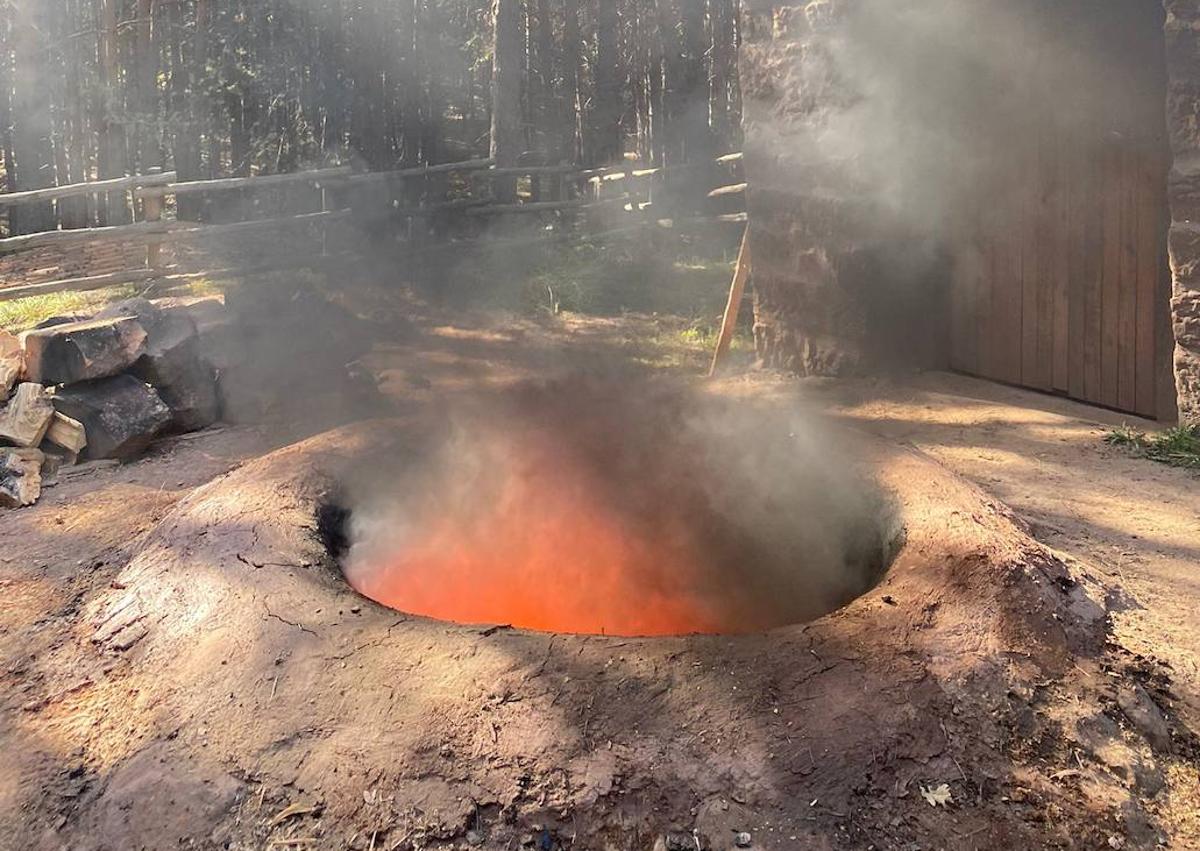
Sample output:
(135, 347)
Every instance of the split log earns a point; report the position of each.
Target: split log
(12, 363)
(82, 351)
(26, 418)
(20, 477)
(67, 434)
(120, 415)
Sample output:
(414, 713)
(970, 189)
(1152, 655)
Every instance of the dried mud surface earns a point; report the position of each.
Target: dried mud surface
(185, 668)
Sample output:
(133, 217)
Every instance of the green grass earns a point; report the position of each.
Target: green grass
(692, 346)
(703, 335)
(598, 278)
(24, 313)
(1179, 446)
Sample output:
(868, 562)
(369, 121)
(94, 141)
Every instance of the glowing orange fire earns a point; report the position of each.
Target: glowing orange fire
(541, 539)
(605, 508)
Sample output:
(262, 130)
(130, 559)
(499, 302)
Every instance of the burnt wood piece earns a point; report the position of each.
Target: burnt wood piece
(12, 363)
(222, 342)
(63, 319)
(26, 416)
(82, 351)
(173, 363)
(121, 415)
(20, 477)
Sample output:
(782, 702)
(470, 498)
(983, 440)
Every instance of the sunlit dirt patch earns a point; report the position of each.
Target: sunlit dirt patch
(591, 507)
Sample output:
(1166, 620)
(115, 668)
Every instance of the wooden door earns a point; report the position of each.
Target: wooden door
(1060, 279)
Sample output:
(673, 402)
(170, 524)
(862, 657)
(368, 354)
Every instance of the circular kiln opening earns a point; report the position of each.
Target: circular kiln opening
(590, 507)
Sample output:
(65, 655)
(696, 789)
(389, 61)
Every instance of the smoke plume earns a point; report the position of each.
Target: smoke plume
(619, 506)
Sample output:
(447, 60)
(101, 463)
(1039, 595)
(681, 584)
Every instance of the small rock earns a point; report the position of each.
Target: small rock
(1115, 841)
(475, 837)
(679, 842)
(1146, 716)
(743, 840)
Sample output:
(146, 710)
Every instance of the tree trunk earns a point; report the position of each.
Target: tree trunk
(32, 143)
(723, 76)
(111, 143)
(410, 87)
(606, 143)
(693, 84)
(572, 56)
(6, 136)
(550, 107)
(506, 92)
(149, 151)
(73, 211)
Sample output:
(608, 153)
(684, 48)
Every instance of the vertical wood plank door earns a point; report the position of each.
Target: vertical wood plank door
(1060, 280)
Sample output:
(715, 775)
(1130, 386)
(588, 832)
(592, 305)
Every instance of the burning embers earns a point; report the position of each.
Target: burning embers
(590, 507)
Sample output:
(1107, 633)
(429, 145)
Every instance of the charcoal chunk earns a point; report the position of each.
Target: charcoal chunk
(120, 415)
(173, 363)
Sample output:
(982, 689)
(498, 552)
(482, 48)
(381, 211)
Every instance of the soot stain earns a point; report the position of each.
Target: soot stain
(333, 525)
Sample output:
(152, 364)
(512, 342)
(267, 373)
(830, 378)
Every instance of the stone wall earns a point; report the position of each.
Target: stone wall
(1183, 113)
(829, 261)
(841, 284)
(807, 245)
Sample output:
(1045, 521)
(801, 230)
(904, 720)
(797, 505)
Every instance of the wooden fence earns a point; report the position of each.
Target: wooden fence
(462, 190)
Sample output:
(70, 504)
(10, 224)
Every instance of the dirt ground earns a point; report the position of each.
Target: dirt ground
(181, 666)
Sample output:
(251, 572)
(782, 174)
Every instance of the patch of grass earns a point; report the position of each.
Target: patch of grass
(24, 313)
(690, 346)
(703, 335)
(605, 278)
(205, 287)
(1179, 446)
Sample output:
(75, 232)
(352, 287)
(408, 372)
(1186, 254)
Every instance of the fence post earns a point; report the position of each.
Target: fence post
(152, 208)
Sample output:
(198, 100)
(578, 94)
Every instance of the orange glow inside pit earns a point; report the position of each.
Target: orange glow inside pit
(596, 509)
(548, 553)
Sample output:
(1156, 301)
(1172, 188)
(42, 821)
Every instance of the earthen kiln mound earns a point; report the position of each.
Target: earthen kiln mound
(272, 702)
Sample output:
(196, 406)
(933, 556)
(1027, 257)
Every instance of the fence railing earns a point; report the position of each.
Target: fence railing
(341, 195)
